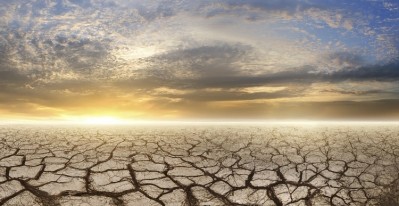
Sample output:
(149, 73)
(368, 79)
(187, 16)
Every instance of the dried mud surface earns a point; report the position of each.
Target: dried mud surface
(199, 165)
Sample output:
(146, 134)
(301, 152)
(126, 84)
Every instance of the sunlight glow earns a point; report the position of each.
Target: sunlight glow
(101, 121)
(109, 120)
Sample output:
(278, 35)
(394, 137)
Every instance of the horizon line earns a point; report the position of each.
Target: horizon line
(197, 121)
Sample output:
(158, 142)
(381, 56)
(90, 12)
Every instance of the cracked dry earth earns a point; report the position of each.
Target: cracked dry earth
(199, 165)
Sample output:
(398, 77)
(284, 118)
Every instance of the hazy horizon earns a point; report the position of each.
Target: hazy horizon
(93, 122)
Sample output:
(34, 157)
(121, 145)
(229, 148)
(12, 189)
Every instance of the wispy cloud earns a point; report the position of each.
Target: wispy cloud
(167, 55)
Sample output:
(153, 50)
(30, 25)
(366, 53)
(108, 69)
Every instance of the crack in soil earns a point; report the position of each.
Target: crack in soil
(200, 165)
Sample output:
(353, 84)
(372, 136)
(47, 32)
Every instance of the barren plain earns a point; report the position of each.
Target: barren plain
(200, 165)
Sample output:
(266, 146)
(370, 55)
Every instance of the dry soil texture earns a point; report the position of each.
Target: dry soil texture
(200, 165)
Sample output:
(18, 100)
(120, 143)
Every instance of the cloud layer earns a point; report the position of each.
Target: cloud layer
(189, 59)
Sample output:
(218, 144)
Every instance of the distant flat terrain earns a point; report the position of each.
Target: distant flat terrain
(200, 165)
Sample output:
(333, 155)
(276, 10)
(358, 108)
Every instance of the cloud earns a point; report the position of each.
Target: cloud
(387, 72)
(255, 10)
(200, 62)
(332, 110)
(172, 55)
(58, 56)
(228, 95)
(273, 5)
(12, 77)
(213, 72)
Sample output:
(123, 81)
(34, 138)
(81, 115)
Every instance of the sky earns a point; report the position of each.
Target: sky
(205, 59)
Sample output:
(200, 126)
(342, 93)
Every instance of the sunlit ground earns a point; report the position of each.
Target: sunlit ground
(200, 163)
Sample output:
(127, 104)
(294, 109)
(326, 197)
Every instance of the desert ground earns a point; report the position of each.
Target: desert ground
(199, 165)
